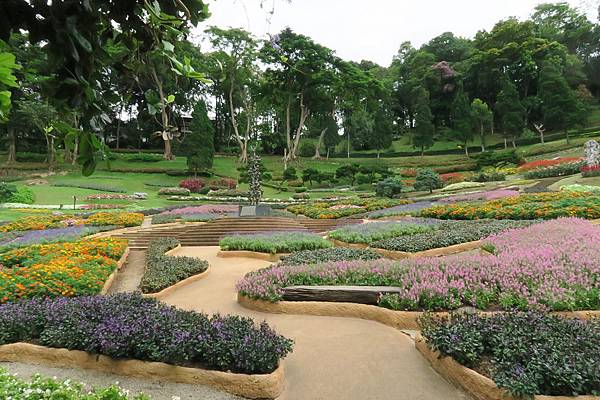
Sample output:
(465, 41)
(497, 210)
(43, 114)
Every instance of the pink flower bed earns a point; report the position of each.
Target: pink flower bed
(491, 195)
(205, 209)
(550, 265)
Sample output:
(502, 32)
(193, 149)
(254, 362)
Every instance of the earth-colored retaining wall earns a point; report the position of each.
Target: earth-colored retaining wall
(264, 386)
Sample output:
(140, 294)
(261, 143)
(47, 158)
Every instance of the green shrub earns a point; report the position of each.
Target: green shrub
(389, 187)
(331, 254)
(555, 170)
(310, 174)
(25, 156)
(6, 191)
(427, 179)
(301, 196)
(363, 179)
(274, 242)
(488, 176)
(307, 149)
(525, 353)
(498, 158)
(143, 157)
(174, 191)
(90, 186)
(163, 271)
(23, 195)
(290, 174)
(375, 231)
(300, 189)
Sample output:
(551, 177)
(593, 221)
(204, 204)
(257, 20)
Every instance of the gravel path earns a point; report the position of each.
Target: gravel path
(155, 389)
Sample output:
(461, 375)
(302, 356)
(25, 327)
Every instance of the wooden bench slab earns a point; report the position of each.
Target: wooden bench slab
(345, 294)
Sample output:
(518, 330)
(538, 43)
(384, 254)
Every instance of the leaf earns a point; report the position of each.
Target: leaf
(79, 38)
(170, 98)
(168, 46)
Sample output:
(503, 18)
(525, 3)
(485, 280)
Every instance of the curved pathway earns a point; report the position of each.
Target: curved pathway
(333, 358)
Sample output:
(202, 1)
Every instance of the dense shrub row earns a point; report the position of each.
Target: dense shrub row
(163, 271)
(525, 353)
(556, 170)
(329, 255)
(274, 242)
(11, 193)
(448, 233)
(375, 231)
(129, 326)
(91, 186)
(174, 191)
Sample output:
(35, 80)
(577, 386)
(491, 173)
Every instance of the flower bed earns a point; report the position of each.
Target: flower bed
(462, 185)
(448, 233)
(174, 191)
(452, 177)
(42, 222)
(581, 189)
(328, 255)
(343, 208)
(61, 269)
(27, 238)
(274, 242)
(525, 206)
(547, 163)
(163, 271)
(205, 209)
(556, 170)
(589, 171)
(551, 265)
(403, 209)
(526, 354)
(13, 387)
(109, 196)
(491, 195)
(375, 231)
(129, 326)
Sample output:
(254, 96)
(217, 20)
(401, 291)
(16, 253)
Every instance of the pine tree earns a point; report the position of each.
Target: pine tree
(511, 112)
(461, 119)
(255, 193)
(382, 132)
(483, 117)
(424, 129)
(561, 108)
(198, 144)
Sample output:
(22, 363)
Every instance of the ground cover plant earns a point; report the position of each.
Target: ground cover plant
(39, 387)
(551, 265)
(525, 353)
(69, 234)
(274, 242)
(163, 270)
(58, 269)
(328, 255)
(581, 188)
(130, 326)
(343, 208)
(491, 195)
(49, 221)
(525, 206)
(447, 233)
(402, 209)
(91, 186)
(528, 166)
(375, 231)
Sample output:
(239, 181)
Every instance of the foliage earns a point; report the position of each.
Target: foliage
(587, 171)
(525, 206)
(91, 186)
(115, 218)
(255, 174)
(25, 156)
(389, 187)
(192, 184)
(488, 176)
(375, 231)
(528, 166)
(15, 239)
(59, 269)
(490, 195)
(144, 157)
(331, 254)
(462, 185)
(510, 110)
(7, 81)
(198, 144)
(39, 222)
(96, 324)
(581, 188)
(549, 265)
(427, 179)
(496, 158)
(448, 233)
(163, 271)
(423, 136)
(307, 149)
(174, 191)
(10, 193)
(556, 170)
(525, 353)
(13, 387)
(290, 174)
(342, 208)
(274, 242)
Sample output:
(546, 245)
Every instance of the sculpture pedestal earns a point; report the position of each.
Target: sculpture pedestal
(262, 210)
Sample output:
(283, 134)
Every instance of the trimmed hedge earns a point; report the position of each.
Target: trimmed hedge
(375, 231)
(163, 271)
(525, 353)
(274, 242)
(329, 255)
(126, 325)
(91, 186)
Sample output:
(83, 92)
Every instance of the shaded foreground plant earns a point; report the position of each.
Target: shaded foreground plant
(163, 270)
(524, 353)
(127, 325)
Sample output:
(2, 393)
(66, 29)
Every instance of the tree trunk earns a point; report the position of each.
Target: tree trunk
(119, 131)
(328, 153)
(505, 144)
(348, 144)
(422, 151)
(317, 155)
(75, 151)
(542, 137)
(12, 145)
(514, 145)
(51, 152)
(295, 144)
(242, 142)
(482, 137)
(166, 134)
(467, 150)
(168, 150)
(568, 138)
(67, 157)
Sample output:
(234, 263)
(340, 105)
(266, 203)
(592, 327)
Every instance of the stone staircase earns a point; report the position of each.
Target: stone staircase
(210, 233)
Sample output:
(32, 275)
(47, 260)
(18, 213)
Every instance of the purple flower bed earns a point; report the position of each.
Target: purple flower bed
(70, 233)
(205, 209)
(130, 326)
(551, 265)
(402, 209)
(491, 195)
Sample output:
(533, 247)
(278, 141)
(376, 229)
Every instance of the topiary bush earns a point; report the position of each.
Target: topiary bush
(290, 174)
(389, 187)
(497, 158)
(307, 149)
(174, 191)
(163, 271)
(427, 179)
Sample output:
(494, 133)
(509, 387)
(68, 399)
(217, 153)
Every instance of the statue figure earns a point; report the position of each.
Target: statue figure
(592, 150)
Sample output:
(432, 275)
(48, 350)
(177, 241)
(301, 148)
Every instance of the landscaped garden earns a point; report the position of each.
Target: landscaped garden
(274, 242)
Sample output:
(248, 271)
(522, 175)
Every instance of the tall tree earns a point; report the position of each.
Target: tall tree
(198, 144)
(561, 108)
(461, 119)
(510, 111)
(424, 129)
(483, 117)
(382, 130)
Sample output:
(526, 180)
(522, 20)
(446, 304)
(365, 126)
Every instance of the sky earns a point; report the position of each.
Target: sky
(371, 29)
